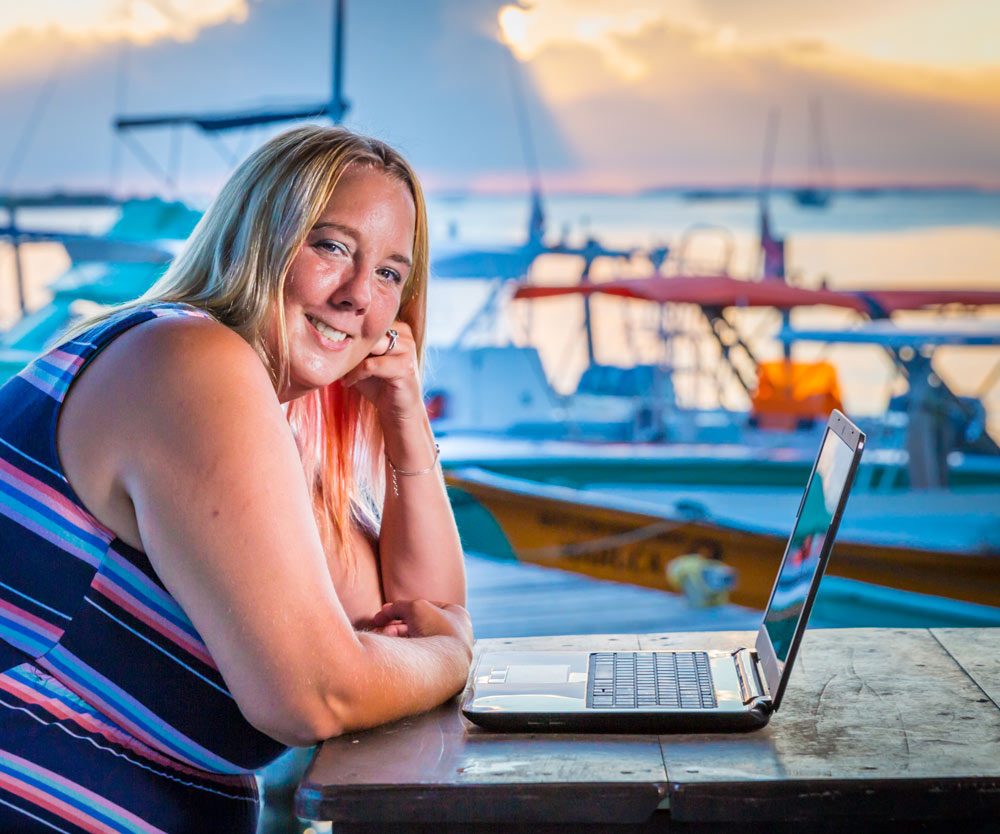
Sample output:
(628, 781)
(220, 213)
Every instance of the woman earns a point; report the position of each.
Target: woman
(178, 603)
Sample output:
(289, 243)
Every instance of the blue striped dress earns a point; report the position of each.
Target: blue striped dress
(113, 716)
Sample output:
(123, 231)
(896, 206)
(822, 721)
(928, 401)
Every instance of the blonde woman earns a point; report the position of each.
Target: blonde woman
(221, 510)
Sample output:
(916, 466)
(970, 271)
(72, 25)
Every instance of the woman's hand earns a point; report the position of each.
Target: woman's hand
(420, 554)
(389, 379)
(420, 618)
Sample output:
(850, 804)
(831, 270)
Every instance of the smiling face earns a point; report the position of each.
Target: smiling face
(343, 288)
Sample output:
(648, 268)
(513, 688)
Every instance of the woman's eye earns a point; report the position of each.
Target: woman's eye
(391, 275)
(331, 246)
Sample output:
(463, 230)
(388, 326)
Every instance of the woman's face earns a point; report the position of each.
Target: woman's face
(343, 288)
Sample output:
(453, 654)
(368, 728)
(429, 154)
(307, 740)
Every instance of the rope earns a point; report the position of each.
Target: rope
(225, 154)
(121, 95)
(574, 549)
(524, 125)
(29, 128)
(146, 159)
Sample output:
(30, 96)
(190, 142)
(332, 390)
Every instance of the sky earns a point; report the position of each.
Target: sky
(619, 96)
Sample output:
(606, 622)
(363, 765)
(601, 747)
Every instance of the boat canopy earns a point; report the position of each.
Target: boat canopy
(883, 302)
(704, 290)
(726, 291)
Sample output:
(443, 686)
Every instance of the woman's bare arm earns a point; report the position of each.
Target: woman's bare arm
(419, 548)
(174, 438)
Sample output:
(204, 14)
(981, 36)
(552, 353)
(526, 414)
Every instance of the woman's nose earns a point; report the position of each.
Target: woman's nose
(355, 291)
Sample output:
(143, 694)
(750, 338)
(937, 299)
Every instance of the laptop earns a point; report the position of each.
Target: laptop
(681, 691)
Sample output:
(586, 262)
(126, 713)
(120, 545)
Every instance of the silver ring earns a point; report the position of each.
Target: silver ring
(393, 335)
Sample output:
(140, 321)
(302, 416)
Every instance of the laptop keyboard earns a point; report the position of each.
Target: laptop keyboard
(638, 680)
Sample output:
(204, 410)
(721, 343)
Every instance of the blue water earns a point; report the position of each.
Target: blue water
(644, 219)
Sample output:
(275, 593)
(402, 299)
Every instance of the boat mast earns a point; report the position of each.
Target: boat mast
(15, 242)
(772, 249)
(335, 108)
(817, 190)
(338, 104)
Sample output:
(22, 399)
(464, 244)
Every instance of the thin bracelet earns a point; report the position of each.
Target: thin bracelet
(395, 471)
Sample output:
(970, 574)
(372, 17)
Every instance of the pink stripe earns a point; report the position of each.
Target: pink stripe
(99, 725)
(52, 499)
(108, 708)
(125, 600)
(173, 311)
(36, 624)
(51, 536)
(63, 360)
(70, 813)
(53, 805)
(62, 711)
(95, 799)
(43, 385)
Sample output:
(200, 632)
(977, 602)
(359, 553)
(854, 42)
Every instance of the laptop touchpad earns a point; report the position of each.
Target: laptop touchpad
(537, 674)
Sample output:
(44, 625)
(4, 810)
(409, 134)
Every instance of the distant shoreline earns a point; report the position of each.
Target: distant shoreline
(726, 192)
(61, 198)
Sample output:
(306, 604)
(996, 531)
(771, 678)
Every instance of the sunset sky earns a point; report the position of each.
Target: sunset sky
(622, 95)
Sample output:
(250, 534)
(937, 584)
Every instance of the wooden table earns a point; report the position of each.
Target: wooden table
(877, 725)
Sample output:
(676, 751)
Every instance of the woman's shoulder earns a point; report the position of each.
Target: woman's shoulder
(99, 332)
(178, 339)
(174, 356)
(162, 398)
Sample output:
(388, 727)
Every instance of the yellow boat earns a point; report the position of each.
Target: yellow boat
(612, 537)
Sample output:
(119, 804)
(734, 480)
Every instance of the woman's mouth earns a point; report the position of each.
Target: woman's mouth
(326, 331)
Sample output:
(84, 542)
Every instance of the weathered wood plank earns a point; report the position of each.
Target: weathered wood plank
(707, 640)
(977, 652)
(877, 721)
(565, 642)
(437, 766)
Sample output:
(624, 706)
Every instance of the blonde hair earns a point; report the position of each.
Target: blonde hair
(234, 267)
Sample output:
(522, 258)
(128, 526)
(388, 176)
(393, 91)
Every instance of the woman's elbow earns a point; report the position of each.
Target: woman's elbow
(300, 722)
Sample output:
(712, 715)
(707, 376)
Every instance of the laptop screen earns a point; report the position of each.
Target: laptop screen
(805, 546)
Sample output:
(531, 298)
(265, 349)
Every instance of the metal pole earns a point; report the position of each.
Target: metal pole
(15, 243)
(337, 108)
(587, 323)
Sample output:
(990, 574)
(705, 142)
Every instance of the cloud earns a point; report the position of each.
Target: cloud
(698, 111)
(49, 37)
(633, 105)
(961, 33)
(436, 83)
(111, 20)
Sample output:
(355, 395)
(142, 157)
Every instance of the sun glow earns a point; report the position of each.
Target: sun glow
(958, 35)
(141, 21)
(527, 31)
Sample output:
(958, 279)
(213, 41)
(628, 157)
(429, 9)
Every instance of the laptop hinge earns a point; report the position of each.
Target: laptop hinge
(752, 686)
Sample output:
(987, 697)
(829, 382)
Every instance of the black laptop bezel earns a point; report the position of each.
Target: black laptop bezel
(776, 675)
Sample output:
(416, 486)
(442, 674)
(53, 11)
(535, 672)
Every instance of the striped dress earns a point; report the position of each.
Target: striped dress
(113, 716)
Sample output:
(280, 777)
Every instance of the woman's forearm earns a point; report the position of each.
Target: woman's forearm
(394, 677)
(337, 687)
(419, 548)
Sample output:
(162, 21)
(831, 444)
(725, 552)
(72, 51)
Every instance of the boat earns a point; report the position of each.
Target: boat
(105, 269)
(617, 479)
(500, 393)
(817, 192)
(623, 510)
(498, 390)
(942, 568)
